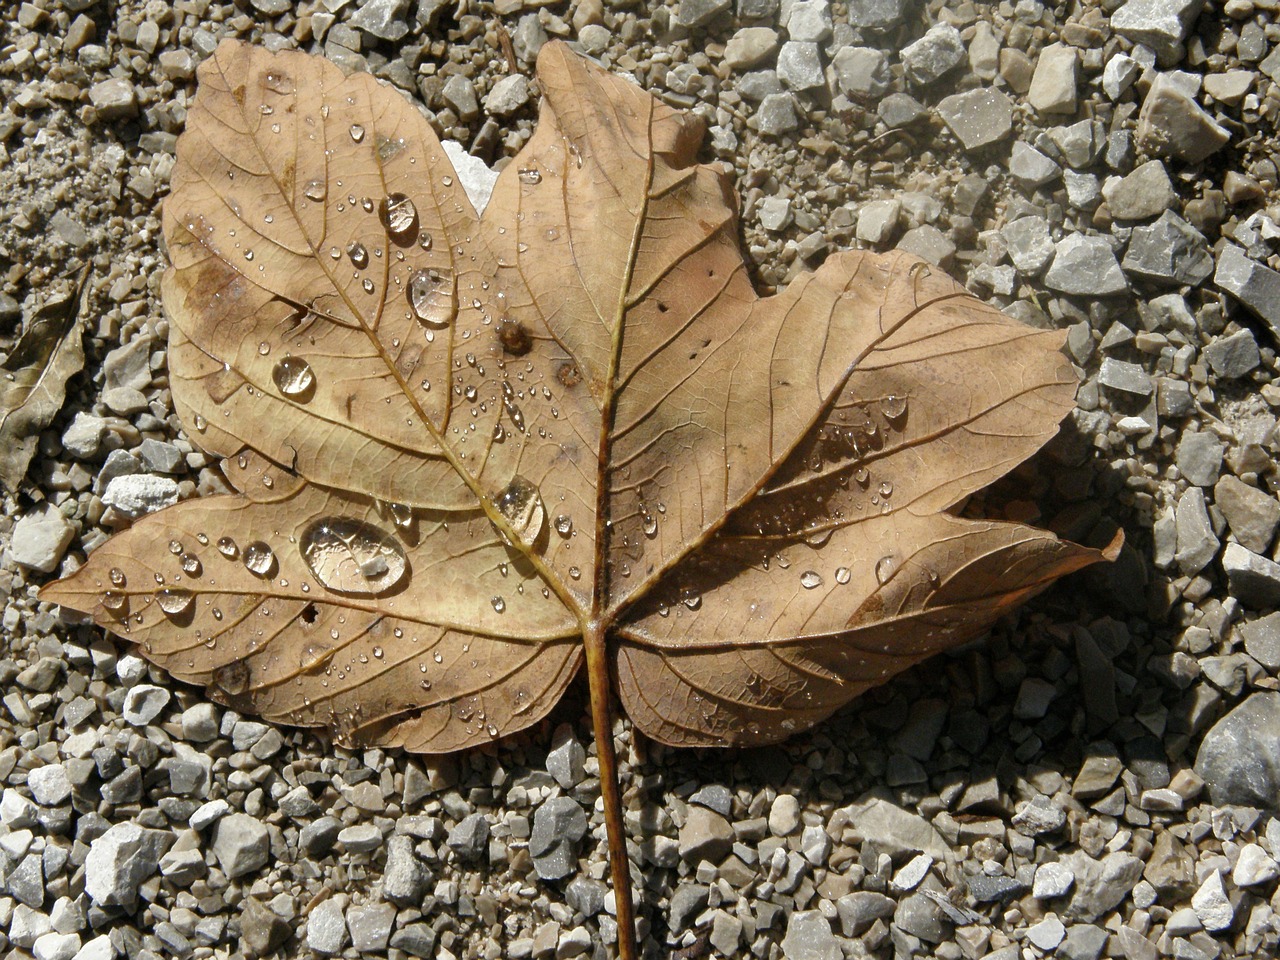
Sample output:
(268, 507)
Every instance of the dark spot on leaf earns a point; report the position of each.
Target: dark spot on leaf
(309, 613)
(514, 337)
(232, 678)
(568, 374)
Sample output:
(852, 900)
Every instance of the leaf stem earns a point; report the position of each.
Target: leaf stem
(601, 687)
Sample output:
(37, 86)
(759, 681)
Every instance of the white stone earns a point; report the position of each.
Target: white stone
(1211, 904)
(140, 493)
(910, 876)
(1253, 866)
(507, 95)
(99, 948)
(56, 946)
(1052, 880)
(143, 703)
(49, 784)
(1047, 934)
(41, 538)
(474, 174)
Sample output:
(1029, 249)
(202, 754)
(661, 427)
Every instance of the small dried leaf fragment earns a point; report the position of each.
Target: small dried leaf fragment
(33, 379)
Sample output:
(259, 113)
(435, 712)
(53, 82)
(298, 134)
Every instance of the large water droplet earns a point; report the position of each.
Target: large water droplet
(810, 579)
(351, 556)
(174, 601)
(433, 296)
(190, 564)
(259, 559)
(843, 575)
(358, 254)
(294, 378)
(400, 217)
(885, 569)
(893, 407)
(114, 600)
(314, 190)
(521, 505)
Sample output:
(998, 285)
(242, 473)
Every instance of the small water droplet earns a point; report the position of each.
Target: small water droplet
(433, 296)
(564, 525)
(294, 377)
(351, 556)
(227, 547)
(357, 132)
(499, 604)
(649, 523)
(174, 601)
(248, 254)
(691, 598)
(201, 424)
(175, 547)
(367, 284)
(886, 488)
(894, 407)
(810, 579)
(315, 190)
(358, 254)
(117, 577)
(574, 573)
(529, 175)
(190, 564)
(521, 505)
(259, 559)
(400, 217)
(843, 574)
(885, 569)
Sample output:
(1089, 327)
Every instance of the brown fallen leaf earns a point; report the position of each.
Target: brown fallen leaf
(33, 379)
(475, 453)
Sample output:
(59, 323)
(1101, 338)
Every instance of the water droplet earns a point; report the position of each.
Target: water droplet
(843, 574)
(433, 297)
(294, 378)
(259, 559)
(400, 217)
(691, 598)
(564, 525)
(190, 564)
(574, 573)
(175, 547)
(530, 175)
(401, 514)
(885, 569)
(886, 488)
(117, 577)
(351, 556)
(893, 407)
(232, 678)
(367, 284)
(358, 254)
(314, 190)
(114, 600)
(201, 424)
(649, 523)
(521, 505)
(175, 601)
(248, 254)
(357, 132)
(810, 579)
(498, 604)
(862, 476)
(227, 547)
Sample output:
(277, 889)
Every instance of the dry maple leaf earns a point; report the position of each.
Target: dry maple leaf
(473, 453)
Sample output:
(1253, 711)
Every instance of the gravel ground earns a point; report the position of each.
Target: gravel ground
(1100, 777)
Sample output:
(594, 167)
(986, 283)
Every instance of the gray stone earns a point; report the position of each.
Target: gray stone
(1253, 284)
(1234, 355)
(687, 902)
(1030, 167)
(120, 860)
(143, 703)
(40, 539)
(900, 110)
(860, 909)
(317, 838)
(809, 937)
(1030, 245)
(1119, 75)
(1170, 251)
(415, 939)
(1086, 266)
(1083, 942)
(757, 85)
(1100, 884)
(775, 213)
(1078, 143)
(1039, 815)
(1252, 579)
(476, 177)
(1239, 757)
(1252, 515)
(327, 927)
(1053, 85)
(1047, 934)
(1199, 457)
(876, 15)
(809, 21)
(586, 895)
(157, 456)
(83, 439)
(566, 758)
(25, 882)
(1262, 640)
(894, 830)
(756, 9)
(470, 838)
(558, 824)
(706, 835)
(922, 917)
(749, 46)
(360, 838)
(862, 72)
(241, 844)
(935, 54)
(460, 94)
(777, 115)
(383, 19)
(784, 815)
(698, 13)
(1052, 880)
(1172, 124)
(714, 796)
(262, 930)
(878, 220)
(1197, 545)
(928, 243)
(129, 365)
(726, 933)
(977, 118)
(114, 99)
(507, 96)
(183, 867)
(370, 926)
(985, 888)
(800, 66)
(1159, 24)
(138, 494)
